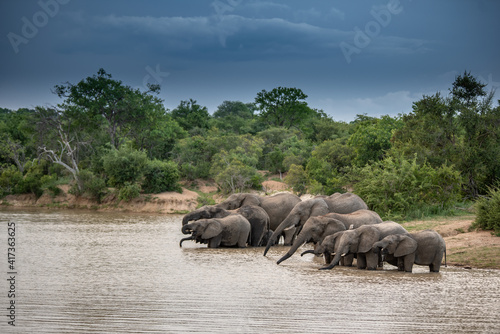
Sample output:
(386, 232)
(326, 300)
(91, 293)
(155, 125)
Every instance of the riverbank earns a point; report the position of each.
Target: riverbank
(465, 247)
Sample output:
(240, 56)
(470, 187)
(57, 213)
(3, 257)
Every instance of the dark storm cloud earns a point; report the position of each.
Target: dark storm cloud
(216, 50)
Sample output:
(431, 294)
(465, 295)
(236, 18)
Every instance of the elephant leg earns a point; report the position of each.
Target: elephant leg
(257, 236)
(372, 260)
(435, 266)
(401, 264)
(348, 260)
(361, 261)
(215, 241)
(328, 257)
(242, 241)
(408, 262)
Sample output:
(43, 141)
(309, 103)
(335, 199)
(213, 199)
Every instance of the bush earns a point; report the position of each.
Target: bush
(488, 211)
(49, 182)
(31, 182)
(10, 178)
(161, 176)
(297, 179)
(90, 184)
(235, 177)
(396, 185)
(129, 191)
(124, 166)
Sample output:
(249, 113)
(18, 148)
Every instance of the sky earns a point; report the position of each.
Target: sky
(350, 57)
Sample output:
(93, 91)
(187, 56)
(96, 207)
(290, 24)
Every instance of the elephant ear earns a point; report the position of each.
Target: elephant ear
(366, 239)
(406, 246)
(213, 229)
(250, 199)
(319, 208)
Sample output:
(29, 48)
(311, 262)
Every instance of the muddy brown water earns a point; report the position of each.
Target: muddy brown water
(90, 272)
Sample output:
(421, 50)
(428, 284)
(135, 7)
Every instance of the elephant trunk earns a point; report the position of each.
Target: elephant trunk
(184, 239)
(309, 251)
(301, 239)
(276, 234)
(186, 229)
(194, 215)
(335, 261)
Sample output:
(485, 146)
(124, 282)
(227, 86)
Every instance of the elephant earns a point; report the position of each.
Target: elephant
(256, 216)
(423, 248)
(344, 203)
(233, 230)
(317, 206)
(316, 228)
(360, 241)
(277, 206)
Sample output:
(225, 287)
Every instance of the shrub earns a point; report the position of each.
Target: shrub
(10, 178)
(90, 185)
(31, 182)
(297, 179)
(161, 176)
(235, 176)
(397, 185)
(488, 211)
(49, 182)
(129, 191)
(124, 166)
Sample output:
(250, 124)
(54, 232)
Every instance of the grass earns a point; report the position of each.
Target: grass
(481, 257)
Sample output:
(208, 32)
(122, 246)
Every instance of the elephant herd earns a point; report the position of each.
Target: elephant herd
(339, 226)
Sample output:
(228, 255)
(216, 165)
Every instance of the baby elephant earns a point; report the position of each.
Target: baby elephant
(230, 231)
(423, 248)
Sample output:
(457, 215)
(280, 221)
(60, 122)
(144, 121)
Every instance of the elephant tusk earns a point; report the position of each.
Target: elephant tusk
(343, 254)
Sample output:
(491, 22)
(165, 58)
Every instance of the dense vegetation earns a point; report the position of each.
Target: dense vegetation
(107, 134)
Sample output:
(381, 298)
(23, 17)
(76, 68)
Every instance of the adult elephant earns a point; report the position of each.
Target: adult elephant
(233, 230)
(256, 216)
(277, 206)
(344, 203)
(360, 242)
(422, 248)
(317, 228)
(317, 206)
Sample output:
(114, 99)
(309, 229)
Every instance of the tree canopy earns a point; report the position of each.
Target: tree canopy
(105, 133)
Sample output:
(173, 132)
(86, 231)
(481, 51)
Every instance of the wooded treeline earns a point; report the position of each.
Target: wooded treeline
(105, 133)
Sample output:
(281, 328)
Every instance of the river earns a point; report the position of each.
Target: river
(93, 272)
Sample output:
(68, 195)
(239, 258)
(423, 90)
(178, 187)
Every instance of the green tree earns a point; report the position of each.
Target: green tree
(190, 115)
(102, 102)
(283, 107)
(297, 179)
(462, 129)
(372, 137)
(430, 131)
(234, 117)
